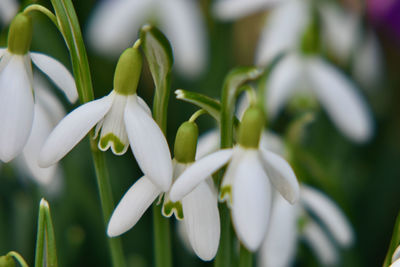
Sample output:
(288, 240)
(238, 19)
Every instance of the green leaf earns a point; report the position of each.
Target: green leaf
(46, 242)
(212, 106)
(158, 52)
(232, 86)
(70, 29)
(394, 243)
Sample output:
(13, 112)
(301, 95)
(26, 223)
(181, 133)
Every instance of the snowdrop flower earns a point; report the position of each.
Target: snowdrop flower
(8, 9)
(235, 9)
(246, 185)
(198, 209)
(115, 23)
(396, 258)
(16, 89)
(309, 74)
(48, 111)
(122, 118)
(279, 246)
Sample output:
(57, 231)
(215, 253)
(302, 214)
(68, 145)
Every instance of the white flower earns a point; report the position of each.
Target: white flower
(284, 230)
(8, 9)
(115, 23)
(235, 9)
(295, 71)
(198, 210)
(121, 120)
(16, 87)
(246, 185)
(48, 111)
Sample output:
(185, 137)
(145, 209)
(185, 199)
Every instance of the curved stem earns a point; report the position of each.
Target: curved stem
(43, 10)
(197, 114)
(18, 258)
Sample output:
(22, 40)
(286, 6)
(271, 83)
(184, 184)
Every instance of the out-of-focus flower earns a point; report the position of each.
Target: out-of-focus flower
(48, 111)
(123, 118)
(115, 23)
(8, 9)
(235, 9)
(16, 86)
(246, 185)
(308, 74)
(315, 219)
(198, 209)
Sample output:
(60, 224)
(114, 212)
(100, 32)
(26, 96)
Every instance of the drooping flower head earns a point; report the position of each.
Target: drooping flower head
(246, 185)
(16, 86)
(122, 118)
(198, 210)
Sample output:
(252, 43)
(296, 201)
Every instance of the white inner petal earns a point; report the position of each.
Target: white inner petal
(113, 132)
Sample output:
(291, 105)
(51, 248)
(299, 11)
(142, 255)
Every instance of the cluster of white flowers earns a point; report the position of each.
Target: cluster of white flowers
(259, 185)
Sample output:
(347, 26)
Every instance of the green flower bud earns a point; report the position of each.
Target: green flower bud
(251, 127)
(7, 261)
(186, 142)
(127, 72)
(20, 34)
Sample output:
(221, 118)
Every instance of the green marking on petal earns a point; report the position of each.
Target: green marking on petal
(118, 147)
(226, 194)
(173, 207)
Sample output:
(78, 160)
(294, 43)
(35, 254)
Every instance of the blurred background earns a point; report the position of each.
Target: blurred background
(363, 179)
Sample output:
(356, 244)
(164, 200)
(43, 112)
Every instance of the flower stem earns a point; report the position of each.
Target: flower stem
(162, 238)
(107, 205)
(245, 257)
(70, 29)
(18, 258)
(224, 254)
(43, 10)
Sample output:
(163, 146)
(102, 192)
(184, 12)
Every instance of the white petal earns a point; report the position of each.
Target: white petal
(201, 218)
(132, 206)
(183, 24)
(396, 254)
(198, 172)
(329, 214)
(72, 129)
(281, 175)
(8, 9)
(148, 144)
(280, 36)
(279, 246)
(41, 128)
(183, 236)
(320, 244)
(339, 30)
(57, 73)
(235, 9)
(342, 101)
(208, 143)
(251, 201)
(273, 142)
(47, 100)
(16, 108)
(144, 105)
(368, 64)
(283, 80)
(115, 24)
(113, 132)
(2, 51)
(395, 264)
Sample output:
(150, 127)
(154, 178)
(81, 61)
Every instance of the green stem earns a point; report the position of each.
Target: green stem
(70, 29)
(224, 254)
(245, 257)
(162, 238)
(43, 10)
(18, 258)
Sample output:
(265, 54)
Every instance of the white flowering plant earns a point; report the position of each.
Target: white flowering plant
(285, 177)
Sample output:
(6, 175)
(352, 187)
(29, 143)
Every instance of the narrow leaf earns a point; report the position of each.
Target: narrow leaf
(158, 52)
